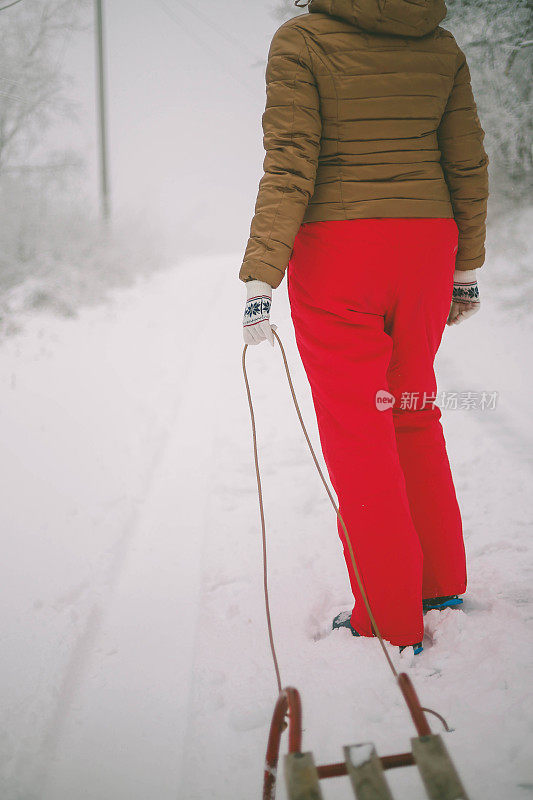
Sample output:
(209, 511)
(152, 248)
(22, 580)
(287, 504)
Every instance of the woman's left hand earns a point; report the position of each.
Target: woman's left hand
(465, 298)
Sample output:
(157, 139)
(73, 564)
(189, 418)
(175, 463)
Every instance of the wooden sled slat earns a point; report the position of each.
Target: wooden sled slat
(437, 769)
(301, 777)
(366, 772)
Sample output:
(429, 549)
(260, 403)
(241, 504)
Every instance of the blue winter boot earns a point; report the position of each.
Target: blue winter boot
(342, 620)
(439, 603)
(417, 648)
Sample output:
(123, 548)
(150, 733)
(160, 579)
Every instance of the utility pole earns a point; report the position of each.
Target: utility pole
(102, 119)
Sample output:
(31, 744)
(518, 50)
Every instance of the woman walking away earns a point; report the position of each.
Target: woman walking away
(374, 201)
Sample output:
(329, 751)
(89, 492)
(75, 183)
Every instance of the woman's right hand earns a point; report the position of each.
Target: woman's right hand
(256, 321)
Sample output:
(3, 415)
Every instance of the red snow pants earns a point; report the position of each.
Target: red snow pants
(369, 301)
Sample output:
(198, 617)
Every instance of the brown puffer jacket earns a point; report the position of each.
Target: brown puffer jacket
(369, 113)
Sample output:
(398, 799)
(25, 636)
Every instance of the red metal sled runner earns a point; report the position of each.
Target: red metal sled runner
(362, 765)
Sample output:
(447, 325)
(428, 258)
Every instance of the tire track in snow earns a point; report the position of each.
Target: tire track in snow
(77, 672)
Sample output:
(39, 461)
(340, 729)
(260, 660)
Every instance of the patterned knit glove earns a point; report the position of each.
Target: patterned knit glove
(465, 297)
(256, 322)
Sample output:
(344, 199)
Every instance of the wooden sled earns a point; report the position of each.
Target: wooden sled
(365, 769)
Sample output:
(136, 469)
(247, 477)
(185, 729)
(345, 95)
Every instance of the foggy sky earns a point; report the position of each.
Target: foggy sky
(185, 105)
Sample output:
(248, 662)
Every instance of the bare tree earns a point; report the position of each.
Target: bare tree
(497, 37)
(284, 9)
(32, 80)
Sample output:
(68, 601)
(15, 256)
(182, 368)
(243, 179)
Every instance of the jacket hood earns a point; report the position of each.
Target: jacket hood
(396, 17)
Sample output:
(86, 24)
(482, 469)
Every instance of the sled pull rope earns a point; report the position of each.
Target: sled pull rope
(333, 503)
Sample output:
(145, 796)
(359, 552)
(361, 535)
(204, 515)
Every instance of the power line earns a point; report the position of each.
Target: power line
(221, 31)
(219, 59)
(14, 3)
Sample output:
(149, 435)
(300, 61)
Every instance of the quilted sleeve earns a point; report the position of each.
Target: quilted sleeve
(292, 129)
(464, 162)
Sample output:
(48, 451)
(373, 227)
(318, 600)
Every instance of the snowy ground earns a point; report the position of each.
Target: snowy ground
(135, 659)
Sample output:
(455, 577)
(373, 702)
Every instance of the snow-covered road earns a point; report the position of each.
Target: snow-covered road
(135, 660)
